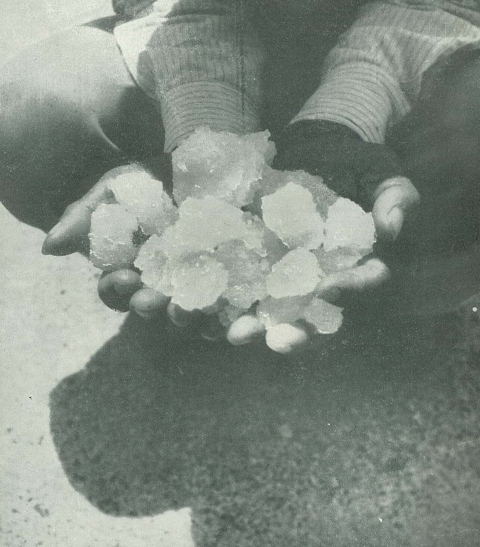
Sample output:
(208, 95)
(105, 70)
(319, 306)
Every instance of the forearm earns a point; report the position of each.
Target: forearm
(206, 63)
(373, 76)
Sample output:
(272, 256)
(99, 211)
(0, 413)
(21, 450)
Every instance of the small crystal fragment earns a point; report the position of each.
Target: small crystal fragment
(296, 274)
(272, 311)
(262, 240)
(145, 198)
(337, 260)
(348, 225)
(292, 214)
(198, 282)
(153, 263)
(325, 317)
(220, 164)
(246, 274)
(111, 237)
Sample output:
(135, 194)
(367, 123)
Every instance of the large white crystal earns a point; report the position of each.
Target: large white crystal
(348, 225)
(111, 237)
(292, 215)
(272, 180)
(198, 282)
(203, 224)
(296, 274)
(145, 197)
(220, 164)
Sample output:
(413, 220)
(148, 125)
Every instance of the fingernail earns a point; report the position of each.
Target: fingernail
(46, 247)
(49, 241)
(395, 222)
(57, 242)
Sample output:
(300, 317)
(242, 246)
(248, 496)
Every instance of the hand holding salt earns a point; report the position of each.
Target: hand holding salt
(245, 239)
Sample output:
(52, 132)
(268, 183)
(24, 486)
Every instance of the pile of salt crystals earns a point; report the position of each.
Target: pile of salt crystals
(242, 237)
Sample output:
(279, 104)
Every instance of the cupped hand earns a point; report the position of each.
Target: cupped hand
(123, 290)
(366, 173)
(392, 200)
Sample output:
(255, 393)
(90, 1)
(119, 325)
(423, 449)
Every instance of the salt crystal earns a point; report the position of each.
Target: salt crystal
(348, 225)
(292, 215)
(246, 274)
(145, 198)
(262, 240)
(325, 317)
(337, 260)
(220, 164)
(202, 226)
(112, 237)
(296, 274)
(272, 311)
(154, 265)
(198, 282)
(131, 169)
(272, 180)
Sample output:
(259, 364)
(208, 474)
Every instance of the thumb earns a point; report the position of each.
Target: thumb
(70, 234)
(394, 198)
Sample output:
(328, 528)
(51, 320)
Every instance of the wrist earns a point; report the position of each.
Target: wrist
(214, 104)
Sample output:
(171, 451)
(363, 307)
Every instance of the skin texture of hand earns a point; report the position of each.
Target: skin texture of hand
(123, 290)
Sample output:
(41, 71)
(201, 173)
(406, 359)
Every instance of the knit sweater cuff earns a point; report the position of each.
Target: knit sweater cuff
(214, 104)
(359, 96)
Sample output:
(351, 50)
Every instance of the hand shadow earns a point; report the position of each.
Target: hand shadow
(252, 441)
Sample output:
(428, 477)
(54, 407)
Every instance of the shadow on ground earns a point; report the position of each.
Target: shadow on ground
(364, 442)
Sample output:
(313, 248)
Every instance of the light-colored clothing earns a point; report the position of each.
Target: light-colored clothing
(203, 61)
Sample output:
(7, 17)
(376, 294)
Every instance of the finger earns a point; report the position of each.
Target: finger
(148, 303)
(116, 288)
(367, 275)
(70, 234)
(245, 330)
(180, 317)
(393, 199)
(285, 338)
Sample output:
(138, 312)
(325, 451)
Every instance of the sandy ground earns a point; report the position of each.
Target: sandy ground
(124, 434)
(51, 323)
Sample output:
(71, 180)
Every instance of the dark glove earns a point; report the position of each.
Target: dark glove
(350, 166)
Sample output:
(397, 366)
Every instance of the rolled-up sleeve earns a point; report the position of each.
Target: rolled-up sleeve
(203, 61)
(373, 75)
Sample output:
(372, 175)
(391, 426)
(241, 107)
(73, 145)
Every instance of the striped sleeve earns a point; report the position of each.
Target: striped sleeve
(204, 62)
(373, 75)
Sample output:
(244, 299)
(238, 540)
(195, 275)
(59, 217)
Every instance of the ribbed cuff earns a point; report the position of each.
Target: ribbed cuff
(214, 104)
(359, 96)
